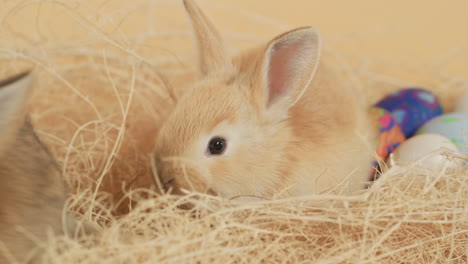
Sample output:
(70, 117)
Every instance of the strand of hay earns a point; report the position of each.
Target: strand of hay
(101, 96)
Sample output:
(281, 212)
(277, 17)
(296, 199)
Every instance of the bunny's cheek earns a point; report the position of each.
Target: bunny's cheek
(230, 180)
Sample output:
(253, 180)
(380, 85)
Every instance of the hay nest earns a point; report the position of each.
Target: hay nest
(102, 94)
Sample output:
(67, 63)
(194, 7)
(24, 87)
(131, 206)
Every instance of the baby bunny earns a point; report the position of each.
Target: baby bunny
(271, 121)
(32, 191)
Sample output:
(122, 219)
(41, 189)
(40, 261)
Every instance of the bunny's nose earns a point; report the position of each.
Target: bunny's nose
(167, 185)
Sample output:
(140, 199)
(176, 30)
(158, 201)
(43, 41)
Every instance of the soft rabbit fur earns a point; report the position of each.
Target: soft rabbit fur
(32, 191)
(293, 127)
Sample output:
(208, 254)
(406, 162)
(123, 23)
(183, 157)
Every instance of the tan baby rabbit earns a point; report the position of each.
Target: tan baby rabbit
(32, 191)
(271, 120)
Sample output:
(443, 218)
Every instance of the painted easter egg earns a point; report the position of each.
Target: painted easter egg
(453, 126)
(428, 149)
(411, 108)
(462, 104)
(389, 134)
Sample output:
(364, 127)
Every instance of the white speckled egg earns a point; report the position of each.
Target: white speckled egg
(429, 148)
(453, 126)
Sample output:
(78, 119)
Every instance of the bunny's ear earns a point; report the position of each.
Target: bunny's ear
(288, 65)
(212, 55)
(14, 93)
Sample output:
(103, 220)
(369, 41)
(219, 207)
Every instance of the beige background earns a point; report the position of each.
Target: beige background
(432, 33)
(427, 31)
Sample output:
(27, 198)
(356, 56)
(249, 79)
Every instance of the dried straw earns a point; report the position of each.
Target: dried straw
(100, 98)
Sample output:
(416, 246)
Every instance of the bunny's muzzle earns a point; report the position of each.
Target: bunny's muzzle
(179, 178)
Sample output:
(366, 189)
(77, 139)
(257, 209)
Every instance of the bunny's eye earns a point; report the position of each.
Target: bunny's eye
(217, 146)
